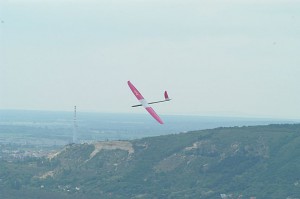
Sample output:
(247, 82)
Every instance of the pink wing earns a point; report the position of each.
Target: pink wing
(135, 91)
(154, 115)
(144, 102)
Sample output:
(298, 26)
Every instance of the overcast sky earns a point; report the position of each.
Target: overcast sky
(215, 57)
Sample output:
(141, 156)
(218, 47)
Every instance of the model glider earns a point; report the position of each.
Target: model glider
(145, 104)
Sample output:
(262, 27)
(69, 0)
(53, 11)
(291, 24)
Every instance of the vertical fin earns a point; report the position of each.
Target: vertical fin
(166, 96)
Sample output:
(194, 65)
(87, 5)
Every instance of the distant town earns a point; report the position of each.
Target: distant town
(17, 152)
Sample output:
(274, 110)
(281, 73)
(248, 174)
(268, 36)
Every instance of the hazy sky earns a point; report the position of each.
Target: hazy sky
(215, 57)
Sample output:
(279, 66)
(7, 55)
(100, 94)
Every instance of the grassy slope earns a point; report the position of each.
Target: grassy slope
(261, 161)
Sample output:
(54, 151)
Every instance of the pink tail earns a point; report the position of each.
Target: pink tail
(166, 96)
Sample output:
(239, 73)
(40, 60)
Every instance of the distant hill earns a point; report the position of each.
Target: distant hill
(254, 161)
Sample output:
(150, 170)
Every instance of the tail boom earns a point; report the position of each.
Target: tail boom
(166, 100)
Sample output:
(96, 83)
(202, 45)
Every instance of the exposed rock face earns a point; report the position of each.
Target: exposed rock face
(112, 145)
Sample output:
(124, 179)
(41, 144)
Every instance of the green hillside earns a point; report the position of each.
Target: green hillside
(258, 161)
